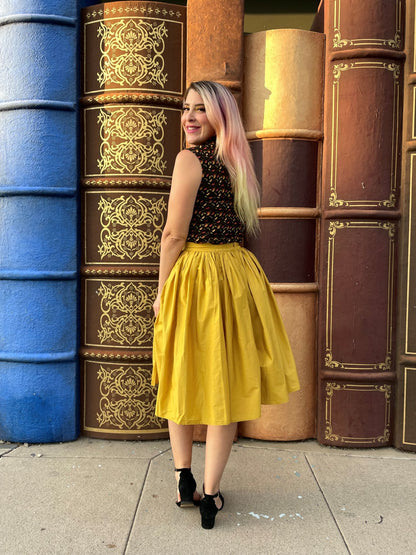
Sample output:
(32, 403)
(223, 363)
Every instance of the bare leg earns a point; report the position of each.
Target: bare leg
(181, 438)
(217, 451)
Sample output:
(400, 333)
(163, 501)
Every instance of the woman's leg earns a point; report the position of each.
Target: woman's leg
(181, 438)
(217, 450)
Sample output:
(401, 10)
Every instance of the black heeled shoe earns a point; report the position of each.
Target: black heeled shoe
(209, 509)
(186, 488)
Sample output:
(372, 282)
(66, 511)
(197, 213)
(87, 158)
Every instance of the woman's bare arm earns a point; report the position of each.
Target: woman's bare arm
(186, 178)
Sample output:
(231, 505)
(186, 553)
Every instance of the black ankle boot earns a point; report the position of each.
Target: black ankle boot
(186, 488)
(209, 509)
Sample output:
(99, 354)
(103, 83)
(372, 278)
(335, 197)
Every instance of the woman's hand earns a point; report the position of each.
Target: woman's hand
(156, 305)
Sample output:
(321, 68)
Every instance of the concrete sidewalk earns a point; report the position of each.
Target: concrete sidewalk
(96, 496)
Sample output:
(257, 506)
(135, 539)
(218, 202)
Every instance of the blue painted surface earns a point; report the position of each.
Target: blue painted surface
(39, 398)
(66, 8)
(38, 401)
(48, 140)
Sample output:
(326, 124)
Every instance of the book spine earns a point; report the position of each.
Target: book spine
(38, 232)
(360, 217)
(283, 88)
(133, 67)
(405, 410)
(216, 55)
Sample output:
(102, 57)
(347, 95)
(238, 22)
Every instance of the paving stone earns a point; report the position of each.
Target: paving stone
(372, 500)
(272, 505)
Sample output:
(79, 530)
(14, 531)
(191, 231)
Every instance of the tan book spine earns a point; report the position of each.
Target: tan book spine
(283, 89)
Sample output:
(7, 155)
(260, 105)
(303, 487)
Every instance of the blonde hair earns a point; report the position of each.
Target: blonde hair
(232, 149)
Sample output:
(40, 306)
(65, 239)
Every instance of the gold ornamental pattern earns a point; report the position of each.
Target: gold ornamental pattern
(127, 399)
(132, 141)
(132, 53)
(131, 227)
(126, 313)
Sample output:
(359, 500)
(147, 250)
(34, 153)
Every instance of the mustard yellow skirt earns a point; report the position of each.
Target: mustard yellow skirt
(220, 349)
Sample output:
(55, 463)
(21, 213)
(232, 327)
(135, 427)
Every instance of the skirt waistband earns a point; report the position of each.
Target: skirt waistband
(211, 246)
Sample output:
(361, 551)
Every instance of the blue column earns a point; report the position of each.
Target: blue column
(39, 400)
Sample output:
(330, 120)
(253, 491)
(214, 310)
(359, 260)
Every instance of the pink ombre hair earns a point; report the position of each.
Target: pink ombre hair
(232, 149)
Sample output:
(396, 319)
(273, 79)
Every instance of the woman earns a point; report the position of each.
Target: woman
(220, 349)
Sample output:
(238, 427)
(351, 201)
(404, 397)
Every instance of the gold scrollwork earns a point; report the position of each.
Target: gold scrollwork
(126, 313)
(332, 387)
(127, 399)
(132, 141)
(132, 53)
(131, 227)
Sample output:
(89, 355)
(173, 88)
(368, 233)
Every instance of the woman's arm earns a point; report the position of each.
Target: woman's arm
(186, 178)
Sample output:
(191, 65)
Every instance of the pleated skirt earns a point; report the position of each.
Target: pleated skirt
(220, 349)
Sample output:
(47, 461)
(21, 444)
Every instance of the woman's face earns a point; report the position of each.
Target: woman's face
(194, 120)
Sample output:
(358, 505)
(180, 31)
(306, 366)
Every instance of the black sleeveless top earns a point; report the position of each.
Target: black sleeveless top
(214, 219)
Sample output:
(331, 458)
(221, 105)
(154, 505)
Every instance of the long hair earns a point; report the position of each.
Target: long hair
(232, 149)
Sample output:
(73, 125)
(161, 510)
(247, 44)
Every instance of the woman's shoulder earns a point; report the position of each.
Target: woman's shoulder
(187, 156)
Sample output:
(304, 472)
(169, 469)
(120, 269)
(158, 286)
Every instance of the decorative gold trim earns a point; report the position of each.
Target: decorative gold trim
(413, 112)
(339, 42)
(120, 271)
(406, 368)
(330, 361)
(126, 308)
(410, 261)
(330, 435)
(114, 356)
(128, 10)
(338, 69)
(125, 432)
(127, 399)
(131, 226)
(140, 19)
(142, 145)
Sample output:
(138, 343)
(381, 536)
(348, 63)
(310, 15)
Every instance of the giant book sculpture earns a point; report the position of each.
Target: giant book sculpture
(360, 216)
(405, 436)
(283, 86)
(132, 87)
(38, 214)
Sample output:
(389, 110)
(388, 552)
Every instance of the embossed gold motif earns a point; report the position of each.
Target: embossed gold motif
(384, 389)
(131, 227)
(127, 398)
(126, 313)
(132, 53)
(132, 141)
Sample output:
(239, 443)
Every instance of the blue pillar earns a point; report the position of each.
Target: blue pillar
(39, 400)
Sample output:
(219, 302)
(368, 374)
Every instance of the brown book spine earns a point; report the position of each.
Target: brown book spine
(284, 126)
(360, 216)
(133, 64)
(405, 410)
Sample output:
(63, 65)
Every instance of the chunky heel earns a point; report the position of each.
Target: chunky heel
(186, 488)
(209, 509)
